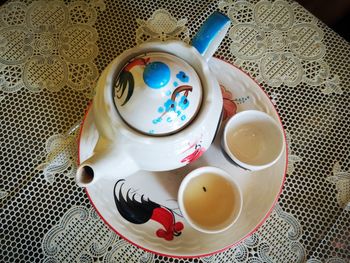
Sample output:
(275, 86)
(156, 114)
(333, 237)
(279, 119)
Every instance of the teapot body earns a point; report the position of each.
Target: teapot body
(158, 153)
(126, 143)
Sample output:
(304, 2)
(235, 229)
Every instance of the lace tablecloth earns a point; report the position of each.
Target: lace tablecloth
(51, 54)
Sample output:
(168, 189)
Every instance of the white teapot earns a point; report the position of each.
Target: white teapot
(157, 106)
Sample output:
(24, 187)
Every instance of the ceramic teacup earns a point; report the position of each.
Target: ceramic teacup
(252, 140)
(210, 200)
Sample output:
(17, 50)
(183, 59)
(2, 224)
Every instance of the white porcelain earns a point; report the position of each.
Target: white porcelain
(260, 189)
(263, 144)
(207, 189)
(128, 140)
(163, 109)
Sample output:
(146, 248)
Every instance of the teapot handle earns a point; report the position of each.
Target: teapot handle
(211, 34)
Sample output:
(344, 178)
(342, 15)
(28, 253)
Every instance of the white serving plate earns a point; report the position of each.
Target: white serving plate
(260, 189)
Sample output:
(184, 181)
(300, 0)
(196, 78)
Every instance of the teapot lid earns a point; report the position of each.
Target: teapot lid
(157, 93)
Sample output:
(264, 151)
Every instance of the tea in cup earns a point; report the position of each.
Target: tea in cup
(253, 140)
(210, 200)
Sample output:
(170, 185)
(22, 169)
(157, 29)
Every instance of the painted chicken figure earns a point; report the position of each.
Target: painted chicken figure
(126, 80)
(140, 212)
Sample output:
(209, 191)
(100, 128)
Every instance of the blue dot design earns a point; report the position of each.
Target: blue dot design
(170, 105)
(156, 75)
(158, 120)
(184, 102)
(182, 77)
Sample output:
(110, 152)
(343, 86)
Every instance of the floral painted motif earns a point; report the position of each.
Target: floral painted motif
(273, 39)
(229, 106)
(171, 104)
(182, 77)
(140, 212)
(183, 104)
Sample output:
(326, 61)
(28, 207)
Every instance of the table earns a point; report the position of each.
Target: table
(51, 54)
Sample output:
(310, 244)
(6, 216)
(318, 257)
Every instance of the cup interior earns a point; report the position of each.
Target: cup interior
(210, 200)
(253, 138)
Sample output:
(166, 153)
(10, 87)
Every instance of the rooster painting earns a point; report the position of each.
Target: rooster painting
(140, 212)
(126, 81)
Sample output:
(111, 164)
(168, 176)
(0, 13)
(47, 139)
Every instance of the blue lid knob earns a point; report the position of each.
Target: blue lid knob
(156, 75)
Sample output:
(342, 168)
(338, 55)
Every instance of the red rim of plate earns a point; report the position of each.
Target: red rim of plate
(217, 251)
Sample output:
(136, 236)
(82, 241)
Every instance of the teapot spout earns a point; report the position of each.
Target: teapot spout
(105, 165)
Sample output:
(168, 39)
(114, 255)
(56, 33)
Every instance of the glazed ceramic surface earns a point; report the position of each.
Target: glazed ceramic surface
(158, 93)
(262, 131)
(143, 207)
(129, 109)
(210, 209)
